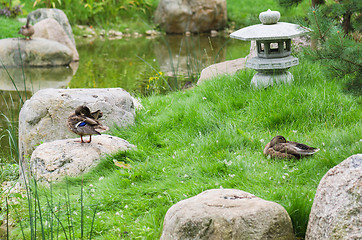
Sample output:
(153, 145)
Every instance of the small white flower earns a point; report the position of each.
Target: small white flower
(265, 172)
(91, 185)
(283, 177)
(92, 190)
(126, 206)
(185, 195)
(185, 176)
(192, 144)
(203, 98)
(295, 131)
(228, 163)
(231, 175)
(323, 144)
(261, 140)
(75, 213)
(101, 178)
(117, 213)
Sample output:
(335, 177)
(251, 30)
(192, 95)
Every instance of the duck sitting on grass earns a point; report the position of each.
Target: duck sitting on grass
(84, 122)
(27, 30)
(279, 147)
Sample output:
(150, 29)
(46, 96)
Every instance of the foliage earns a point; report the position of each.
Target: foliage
(211, 137)
(100, 12)
(245, 13)
(10, 8)
(340, 52)
(347, 12)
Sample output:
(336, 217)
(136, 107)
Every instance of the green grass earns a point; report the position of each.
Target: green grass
(9, 28)
(245, 13)
(211, 137)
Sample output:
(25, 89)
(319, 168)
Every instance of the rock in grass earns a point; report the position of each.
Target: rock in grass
(228, 67)
(180, 16)
(43, 117)
(52, 161)
(227, 214)
(336, 211)
(37, 52)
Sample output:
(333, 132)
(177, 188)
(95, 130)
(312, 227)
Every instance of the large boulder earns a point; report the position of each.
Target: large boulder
(179, 16)
(43, 117)
(222, 214)
(52, 161)
(56, 14)
(50, 29)
(336, 211)
(37, 52)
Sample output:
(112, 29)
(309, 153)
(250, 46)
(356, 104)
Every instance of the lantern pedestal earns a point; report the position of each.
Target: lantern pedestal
(266, 79)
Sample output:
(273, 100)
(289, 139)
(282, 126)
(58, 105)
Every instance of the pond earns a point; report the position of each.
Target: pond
(138, 65)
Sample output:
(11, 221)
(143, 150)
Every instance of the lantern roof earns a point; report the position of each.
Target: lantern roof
(270, 29)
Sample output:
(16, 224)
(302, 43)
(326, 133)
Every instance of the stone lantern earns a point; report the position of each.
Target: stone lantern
(273, 43)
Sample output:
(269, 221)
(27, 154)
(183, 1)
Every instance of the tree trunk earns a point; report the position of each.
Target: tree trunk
(346, 23)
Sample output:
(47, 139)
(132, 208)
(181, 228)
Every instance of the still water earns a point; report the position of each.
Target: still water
(134, 64)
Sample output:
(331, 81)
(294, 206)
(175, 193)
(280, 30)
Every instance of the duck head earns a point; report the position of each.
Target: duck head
(276, 140)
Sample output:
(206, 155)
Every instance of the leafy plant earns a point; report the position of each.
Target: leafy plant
(339, 51)
(10, 8)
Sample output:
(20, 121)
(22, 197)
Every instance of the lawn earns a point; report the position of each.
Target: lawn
(208, 137)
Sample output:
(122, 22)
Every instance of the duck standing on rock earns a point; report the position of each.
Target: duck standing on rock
(84, 122)
(27, 30)
(279, 147)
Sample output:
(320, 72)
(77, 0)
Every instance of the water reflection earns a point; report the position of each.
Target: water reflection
(12, 79)
(187, 56)
(126, 63)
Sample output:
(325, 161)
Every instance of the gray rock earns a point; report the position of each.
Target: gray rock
(180, 16)
(37, 52)
(52, 161)
(227, 67)
(50, 29)
(226, 214)
(57, 14)
(43, 117)
(336, 210)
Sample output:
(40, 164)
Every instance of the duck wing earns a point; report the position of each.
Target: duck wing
(97, 114)
(296, 149)
(94, 124)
